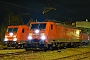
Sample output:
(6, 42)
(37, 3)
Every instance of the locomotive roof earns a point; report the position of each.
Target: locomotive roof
(68, 26)
(58, 24)
(16, 26)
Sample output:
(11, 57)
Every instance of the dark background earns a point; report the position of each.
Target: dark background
(76, 10)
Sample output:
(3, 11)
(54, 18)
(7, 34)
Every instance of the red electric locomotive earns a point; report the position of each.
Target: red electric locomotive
(16, 36)
(85, 38)
(51, 34)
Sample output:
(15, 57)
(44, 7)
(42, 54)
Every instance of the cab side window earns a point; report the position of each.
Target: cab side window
(51, 27)
(23, 30)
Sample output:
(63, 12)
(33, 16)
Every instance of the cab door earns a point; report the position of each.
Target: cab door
(22, 36)
(52, 31)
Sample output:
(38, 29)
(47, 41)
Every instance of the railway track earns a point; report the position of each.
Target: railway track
(79, 56)
(75, 57)
(17, 53)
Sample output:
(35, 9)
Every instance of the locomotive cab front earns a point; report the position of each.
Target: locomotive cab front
(11, 36)
(37, 35)
(16, 36)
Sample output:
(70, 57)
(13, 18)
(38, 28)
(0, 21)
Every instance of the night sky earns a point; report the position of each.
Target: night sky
(77, 10)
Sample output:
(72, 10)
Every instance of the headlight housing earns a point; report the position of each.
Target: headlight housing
(5, 36)
(15, 39)
(37, 31)
(42, 34)
(43, 37)
(11, 34)
(6, 39)
(14, 36)
(29, 37)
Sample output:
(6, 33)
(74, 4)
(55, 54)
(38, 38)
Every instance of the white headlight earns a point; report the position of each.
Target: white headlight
(5, 39)
(11, 34)
(43, 37)
(15, 39)
(36, 31)
(29, 37)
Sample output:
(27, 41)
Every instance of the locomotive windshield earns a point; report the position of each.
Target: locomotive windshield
(12, 29)
(38, 26)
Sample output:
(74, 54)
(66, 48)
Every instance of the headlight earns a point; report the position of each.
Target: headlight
(5, 36)
(11, 34)
(43, 37)
(42, 34)
(6, 39)
(14, 36)
(36, 31)
(29, 37)
(15, 39)
(30, 34)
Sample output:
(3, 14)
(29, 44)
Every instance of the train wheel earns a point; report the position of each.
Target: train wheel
(45, 49)
(51, 48)
(22, 46)
(27, 49)
(16, 47)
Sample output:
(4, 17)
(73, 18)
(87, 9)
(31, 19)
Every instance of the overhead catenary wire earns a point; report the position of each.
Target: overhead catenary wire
(30, 8)
(19, 6)
(67, 8)
(48, 3)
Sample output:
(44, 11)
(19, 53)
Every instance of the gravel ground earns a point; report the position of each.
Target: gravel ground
(49, 55)
(11, 51)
